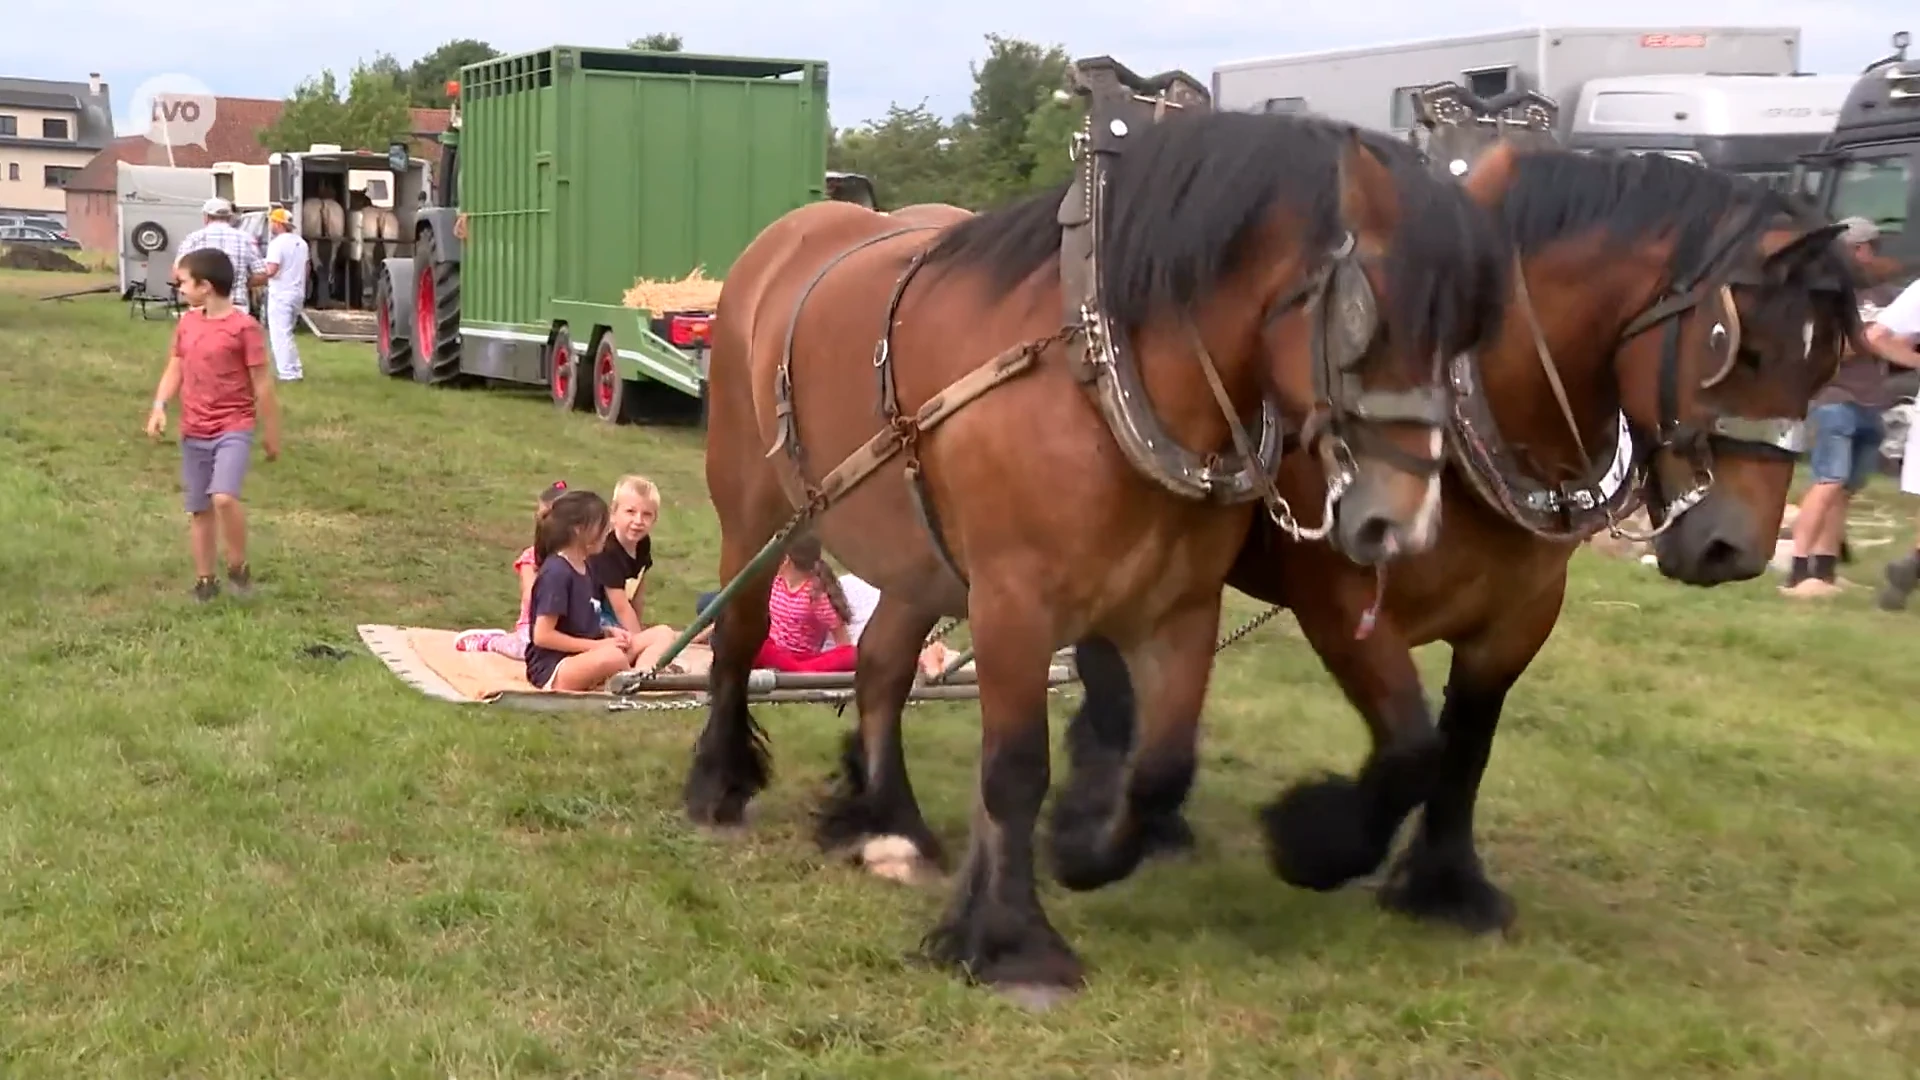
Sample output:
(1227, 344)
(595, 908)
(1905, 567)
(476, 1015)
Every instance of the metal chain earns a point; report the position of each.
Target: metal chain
(1249, 627)
(639, 704)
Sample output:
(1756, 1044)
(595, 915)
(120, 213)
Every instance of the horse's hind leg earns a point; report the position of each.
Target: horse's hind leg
(1100, 821)
(1100, 736)
(871, 813)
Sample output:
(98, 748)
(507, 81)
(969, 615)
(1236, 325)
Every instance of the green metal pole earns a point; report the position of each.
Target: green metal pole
(703, 619)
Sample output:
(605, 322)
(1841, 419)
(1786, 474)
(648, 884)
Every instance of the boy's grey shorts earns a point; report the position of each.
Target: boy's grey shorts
(215, 466)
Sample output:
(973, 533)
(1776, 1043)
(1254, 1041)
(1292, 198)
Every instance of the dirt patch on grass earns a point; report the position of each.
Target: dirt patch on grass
(29, 257)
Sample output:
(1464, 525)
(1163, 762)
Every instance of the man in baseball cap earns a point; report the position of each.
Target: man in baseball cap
(218, 233)
(286, 269)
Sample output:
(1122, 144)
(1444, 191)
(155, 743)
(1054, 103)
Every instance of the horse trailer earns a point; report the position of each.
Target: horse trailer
(1374, 87)
(570, 172)
(1870, 165)
(355, 209)
(1755, 125)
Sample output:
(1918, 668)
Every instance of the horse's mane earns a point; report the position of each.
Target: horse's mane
(1556, 194)
(1185, 195)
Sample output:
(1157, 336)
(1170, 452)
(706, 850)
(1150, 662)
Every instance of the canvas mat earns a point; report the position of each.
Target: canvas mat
(426, 660)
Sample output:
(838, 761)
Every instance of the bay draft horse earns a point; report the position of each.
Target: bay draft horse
(1025, 514)
(1703, 306)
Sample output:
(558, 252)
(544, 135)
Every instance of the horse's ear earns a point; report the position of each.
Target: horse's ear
(1368, 202)
(1784, 256)
(1492, 174)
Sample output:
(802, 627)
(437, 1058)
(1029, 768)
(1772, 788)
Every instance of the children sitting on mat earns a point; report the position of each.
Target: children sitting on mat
(805, 612)
(570, 649)
(514, 644)
(619, 568)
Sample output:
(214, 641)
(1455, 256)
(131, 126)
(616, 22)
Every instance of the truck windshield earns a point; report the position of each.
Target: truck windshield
(1874, 186)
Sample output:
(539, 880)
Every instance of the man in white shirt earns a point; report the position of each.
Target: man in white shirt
(286, 269)
(241, 250)
(1896, 331)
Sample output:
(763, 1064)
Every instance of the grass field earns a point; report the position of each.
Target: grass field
(223, 858)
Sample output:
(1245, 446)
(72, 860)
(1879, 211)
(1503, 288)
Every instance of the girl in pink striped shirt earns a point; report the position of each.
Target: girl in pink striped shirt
(807, 616)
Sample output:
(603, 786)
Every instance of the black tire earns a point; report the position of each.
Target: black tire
(609, 395)
(564, 386)
(436, 338)
(148, 237)
(395, 354)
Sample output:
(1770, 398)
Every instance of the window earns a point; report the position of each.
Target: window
(1874, 188)
(1489, 82)
(54, 127)
(1284, 105)
(13, 170)
(59, 175)
(9, 125)
(1402, 114)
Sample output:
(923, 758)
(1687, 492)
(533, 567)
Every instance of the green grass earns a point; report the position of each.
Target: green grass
(225, 859)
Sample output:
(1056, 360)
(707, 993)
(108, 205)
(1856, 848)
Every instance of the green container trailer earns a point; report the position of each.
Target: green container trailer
(571, 172)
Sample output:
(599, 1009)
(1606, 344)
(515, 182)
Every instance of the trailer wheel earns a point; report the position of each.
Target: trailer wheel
(436, 313)
(611, 397)
(148, 237)
(395, 356)
(564, 384)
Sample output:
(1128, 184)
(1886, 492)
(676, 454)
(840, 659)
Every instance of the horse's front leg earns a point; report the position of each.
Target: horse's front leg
(1115, 802)
(1100, 737)
(1440, 877)
(1326, 832)
(871, 814)
(994, 928)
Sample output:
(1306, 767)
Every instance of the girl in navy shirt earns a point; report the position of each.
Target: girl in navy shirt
(569, 648)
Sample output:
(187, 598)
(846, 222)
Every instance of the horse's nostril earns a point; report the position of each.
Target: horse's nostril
(1372, 534)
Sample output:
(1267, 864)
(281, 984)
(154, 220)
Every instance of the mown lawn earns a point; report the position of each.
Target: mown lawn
(225, 858)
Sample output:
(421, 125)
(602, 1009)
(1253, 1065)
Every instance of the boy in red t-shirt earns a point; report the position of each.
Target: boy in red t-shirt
(218, 366)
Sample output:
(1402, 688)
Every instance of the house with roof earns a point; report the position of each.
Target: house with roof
(92, 196)
(49, 130)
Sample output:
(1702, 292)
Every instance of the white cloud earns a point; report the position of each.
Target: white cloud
(878, 52)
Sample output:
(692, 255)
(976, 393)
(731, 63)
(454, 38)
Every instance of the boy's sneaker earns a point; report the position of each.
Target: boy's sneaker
(205, 589)
(241, 578)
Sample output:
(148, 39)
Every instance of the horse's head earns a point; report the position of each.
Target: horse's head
(1766, 338)
(1411, 275)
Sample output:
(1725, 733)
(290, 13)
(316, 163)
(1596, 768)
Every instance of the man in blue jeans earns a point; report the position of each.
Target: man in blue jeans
(1846, 425)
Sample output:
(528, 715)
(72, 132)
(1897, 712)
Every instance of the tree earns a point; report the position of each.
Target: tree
(656, 43)
(1050, 132)
(425, 82)
(1014, 81)
(373, 113)
(908, 155)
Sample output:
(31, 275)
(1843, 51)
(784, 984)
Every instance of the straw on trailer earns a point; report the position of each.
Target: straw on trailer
(695, 292)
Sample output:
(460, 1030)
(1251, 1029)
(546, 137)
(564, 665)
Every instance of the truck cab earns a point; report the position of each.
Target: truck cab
(1870, 165)
(1755, 125)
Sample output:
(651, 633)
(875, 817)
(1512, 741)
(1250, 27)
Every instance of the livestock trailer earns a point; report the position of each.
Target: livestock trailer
(1755, 125)
(1374, 87)
(569, 173)
(1870, 165)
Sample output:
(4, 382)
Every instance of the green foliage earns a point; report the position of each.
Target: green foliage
(371, 114)
(657, 42)
(909, 154)
(426, 79)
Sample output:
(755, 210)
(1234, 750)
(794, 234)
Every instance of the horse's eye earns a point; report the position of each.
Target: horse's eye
(1717, 337)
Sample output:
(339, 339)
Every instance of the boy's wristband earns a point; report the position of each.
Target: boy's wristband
(159, 405)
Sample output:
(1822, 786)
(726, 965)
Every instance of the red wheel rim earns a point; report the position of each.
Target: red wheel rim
(425, 325)
(385, 319)
(604, 375)
(562, 360)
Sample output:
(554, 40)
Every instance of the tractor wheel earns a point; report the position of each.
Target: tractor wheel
(436, 315)
(564, 384)
(395, 356)
(611, 393)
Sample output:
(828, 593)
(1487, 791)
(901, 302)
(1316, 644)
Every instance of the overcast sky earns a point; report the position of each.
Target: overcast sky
(877, 53)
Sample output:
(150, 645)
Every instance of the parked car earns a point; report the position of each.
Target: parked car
(38, 237)
(35, 221)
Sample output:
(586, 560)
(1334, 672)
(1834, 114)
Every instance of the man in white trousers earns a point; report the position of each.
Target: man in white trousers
(286, 292)
(1897, 330)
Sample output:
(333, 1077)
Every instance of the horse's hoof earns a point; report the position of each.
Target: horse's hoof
(1035, 997)
(895, 858)
(1168, 837)
(1317, 835)
(1452, 896)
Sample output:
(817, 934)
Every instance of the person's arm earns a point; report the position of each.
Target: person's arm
(547, 635)
(610, 574)
(264, 398)
(256, 266)
(836, 627)
(1889, 346)
(169, 386)
(527, 573)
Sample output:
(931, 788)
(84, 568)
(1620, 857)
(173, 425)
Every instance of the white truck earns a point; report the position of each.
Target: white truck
(1374, 87)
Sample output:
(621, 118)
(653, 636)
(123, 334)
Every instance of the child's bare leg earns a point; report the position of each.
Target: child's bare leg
(233, 528)
(200, 535)
(591, 669)
(651, 644)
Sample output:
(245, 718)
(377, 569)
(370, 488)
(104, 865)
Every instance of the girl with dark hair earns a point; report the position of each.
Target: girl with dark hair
(570, 649)
(807, 615)
(514, 644)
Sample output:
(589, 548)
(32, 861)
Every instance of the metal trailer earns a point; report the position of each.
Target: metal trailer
(570, 172)
(1754, 125)
(1374, 87)
(1870, 165)
(342, 270)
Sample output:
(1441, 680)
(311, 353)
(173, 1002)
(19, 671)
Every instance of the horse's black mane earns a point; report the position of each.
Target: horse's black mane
(1186, 194)
(1556, 194)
